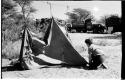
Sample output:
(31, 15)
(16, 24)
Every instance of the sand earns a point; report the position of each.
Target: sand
(113, 62)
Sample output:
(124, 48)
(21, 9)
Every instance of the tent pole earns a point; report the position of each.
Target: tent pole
(22, 45)
(50, 8)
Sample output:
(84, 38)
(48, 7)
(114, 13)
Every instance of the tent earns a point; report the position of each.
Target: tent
(55, 48)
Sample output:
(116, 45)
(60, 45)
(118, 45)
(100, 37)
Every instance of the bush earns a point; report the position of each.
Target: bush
(12, 50)
(11, 37)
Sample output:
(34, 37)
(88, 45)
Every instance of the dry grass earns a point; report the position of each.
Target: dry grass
(107, 42)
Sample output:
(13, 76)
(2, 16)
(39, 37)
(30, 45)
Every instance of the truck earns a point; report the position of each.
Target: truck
(76, 28)
(86, 27)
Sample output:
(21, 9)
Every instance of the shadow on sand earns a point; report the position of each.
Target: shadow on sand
(17, 67)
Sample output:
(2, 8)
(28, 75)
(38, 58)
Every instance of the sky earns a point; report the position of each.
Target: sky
(59, 8)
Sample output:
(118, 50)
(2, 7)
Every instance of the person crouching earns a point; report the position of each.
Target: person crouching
(96, 55)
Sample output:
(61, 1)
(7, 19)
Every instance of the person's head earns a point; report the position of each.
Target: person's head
(88, 42)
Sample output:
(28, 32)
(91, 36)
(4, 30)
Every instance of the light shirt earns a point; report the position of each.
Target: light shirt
(95, 50)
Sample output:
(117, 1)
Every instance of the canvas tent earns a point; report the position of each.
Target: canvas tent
(55, 48)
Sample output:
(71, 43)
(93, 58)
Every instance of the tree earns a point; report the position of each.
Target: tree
(7, 8)
(13, 20)
(26, 9)
(72, 16)
(79, 15)
(112, 20)
(103, 19)
(115, 22)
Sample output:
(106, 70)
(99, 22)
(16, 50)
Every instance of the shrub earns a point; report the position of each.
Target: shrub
(12, 50)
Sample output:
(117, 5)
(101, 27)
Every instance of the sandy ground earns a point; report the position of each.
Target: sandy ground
(113, 62)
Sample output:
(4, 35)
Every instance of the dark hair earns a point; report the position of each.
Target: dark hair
(88, 41)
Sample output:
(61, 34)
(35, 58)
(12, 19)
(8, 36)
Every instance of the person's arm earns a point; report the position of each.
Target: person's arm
(99, 52)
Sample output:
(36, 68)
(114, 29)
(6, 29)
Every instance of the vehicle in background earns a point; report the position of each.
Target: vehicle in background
(87, 26)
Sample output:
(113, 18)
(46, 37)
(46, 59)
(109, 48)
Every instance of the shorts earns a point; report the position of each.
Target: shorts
(97, 60)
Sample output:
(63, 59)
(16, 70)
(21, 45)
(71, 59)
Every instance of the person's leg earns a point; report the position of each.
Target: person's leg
(102, 59)
(103, 66)
(93, 64)
(96, 62)
(99, 61)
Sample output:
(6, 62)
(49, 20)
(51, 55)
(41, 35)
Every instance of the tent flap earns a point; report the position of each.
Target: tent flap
(55, 48)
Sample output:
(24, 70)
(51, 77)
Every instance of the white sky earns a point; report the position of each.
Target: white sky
(59, 8)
